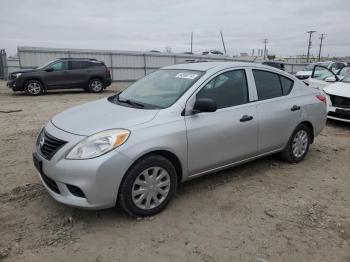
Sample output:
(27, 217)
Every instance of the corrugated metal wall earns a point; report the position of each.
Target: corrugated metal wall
(124, 65)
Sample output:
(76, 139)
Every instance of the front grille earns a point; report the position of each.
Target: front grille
(339, 115)
(76, 191)
(49, 145)
(50, 183)
(340, 101)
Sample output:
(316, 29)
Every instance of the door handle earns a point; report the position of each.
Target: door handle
(295, 108)
(246, 118)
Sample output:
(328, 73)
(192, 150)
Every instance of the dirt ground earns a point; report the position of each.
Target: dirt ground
(266, 210)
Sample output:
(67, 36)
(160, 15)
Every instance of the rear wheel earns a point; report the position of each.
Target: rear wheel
(96, 86)
(148, 186)
(33, 88)
(298, 145)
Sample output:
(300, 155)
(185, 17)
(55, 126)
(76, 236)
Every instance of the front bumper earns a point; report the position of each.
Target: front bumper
(339, 114)
(98, 178)
(15, 84)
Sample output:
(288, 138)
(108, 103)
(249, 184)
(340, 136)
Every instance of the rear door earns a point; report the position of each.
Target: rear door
(79, 73)
(279, 112)
(227, 135)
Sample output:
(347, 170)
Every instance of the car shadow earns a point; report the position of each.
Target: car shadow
(199, 185)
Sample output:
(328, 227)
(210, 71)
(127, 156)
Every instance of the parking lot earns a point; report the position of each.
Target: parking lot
(266, 210)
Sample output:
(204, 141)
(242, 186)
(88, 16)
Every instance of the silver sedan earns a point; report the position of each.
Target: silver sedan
(183, 121)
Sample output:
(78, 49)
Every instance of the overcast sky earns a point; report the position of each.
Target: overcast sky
(154, 24)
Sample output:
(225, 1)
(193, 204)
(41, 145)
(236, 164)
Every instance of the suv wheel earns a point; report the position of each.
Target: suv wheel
(95, 86)
(298, 145)
(33, 88)
(148, 186)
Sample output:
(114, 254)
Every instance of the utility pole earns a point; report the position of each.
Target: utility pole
(319, 52)
(191, 41)
(223, 43)
(265, 43)
(309, 46)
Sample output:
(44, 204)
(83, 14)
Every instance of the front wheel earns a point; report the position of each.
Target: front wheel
(298, 145)
(148, 186)
(95, 86)
(33, 88)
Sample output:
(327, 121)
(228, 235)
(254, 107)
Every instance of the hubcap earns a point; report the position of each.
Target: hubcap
(96, 85)
(34, 88)
(300, 143)
(151, 187)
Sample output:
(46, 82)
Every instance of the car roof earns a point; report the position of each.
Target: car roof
(205, 66)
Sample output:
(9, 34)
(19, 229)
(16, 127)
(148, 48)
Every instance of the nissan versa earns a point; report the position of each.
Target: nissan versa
(180, 122)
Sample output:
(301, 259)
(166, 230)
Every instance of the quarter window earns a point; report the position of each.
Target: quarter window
(271, 85)
(228, 89)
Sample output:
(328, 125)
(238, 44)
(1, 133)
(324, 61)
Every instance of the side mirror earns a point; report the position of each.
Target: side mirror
(331, 79)
(49, 69)
(204, 105)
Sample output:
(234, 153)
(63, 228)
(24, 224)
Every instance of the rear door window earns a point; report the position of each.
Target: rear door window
(74, 65)
(270, 85)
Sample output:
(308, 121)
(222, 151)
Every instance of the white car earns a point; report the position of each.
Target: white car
(307, 71)
(338, 100)
(324, 77)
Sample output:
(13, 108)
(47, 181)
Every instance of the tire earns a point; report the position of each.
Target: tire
(138, 189)
(96, 85)
(298, 145)
(34, 88)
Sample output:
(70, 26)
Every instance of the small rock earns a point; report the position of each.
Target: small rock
(4, 252)
(261, 260)
(187, 242)
(268, 213)
(70, 219)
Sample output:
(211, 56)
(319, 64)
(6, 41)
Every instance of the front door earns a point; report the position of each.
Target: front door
(227, 135)
(56, 75)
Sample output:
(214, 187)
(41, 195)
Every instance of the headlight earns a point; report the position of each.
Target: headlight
(99, 144)
(18, 75)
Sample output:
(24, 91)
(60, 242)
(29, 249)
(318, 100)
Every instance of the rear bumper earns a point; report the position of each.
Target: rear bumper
(107, 82)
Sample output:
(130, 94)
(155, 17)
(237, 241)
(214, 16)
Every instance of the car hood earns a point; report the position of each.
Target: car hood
(100, 115)
(304, 73)
(24, 71)
(338, 89)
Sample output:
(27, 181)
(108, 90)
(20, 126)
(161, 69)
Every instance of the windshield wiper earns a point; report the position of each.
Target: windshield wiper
(130, 102)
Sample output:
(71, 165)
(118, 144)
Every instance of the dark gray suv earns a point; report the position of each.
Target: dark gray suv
(64, 73)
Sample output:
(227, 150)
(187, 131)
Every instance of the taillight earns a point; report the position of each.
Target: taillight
(322, 98)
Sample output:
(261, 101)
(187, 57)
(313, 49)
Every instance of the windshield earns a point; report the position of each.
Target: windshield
(310, 67)
(42, 67)
(160, 89)
(346, 79)
(322, 73)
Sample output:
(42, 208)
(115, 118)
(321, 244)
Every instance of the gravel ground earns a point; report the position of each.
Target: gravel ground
(266, 210)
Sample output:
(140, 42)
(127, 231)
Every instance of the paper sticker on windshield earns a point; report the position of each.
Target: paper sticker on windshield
(186, 75)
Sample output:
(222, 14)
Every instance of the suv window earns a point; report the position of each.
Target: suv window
(60, 66)
(80, 64)
(228, 89)
(270, 85)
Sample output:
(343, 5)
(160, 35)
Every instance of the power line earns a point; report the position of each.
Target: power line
(319, 52)
(309, 46)
(265, 43)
